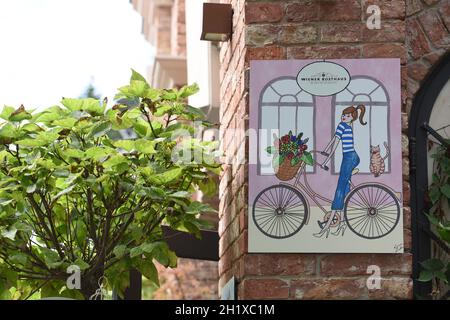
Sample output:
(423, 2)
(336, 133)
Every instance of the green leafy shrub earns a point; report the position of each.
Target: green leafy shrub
(439, 196)
(72, 195)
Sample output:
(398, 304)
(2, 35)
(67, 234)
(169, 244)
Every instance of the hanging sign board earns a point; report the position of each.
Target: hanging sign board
(325, 169)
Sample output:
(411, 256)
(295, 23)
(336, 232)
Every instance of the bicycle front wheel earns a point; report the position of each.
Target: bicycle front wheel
(371, 211)
(279, 211)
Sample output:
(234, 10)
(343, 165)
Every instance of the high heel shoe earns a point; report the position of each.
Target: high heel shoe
(322, 232)
(342, 228)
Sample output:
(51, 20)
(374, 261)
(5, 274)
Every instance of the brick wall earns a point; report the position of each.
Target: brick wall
(305, 29)
(428, 25)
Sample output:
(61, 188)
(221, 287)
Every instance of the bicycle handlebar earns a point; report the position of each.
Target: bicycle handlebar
(324, 154)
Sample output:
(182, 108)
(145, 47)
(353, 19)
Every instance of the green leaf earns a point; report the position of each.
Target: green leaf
(19, 258)
(445, 189)
(162, 110)
(10, 234)
(148, 270)
(120, 250)
(196, 207)
(19, 115)
(81, 232)
(277, 160)
(307, 158)
(145, 146)
(136, 251)
(432, 264)
(6, 112)
(74, 153)
(166, 177)
(81, 264)
(100, 129)
(271, 150)
(8, 131)
(65, 123)
(136, 76)
(31, 188)
(115, 160)
(51, 258)
(90, 105)
(127, 145)
(426, 275)
(188, 90)
(195, 113)
(295, 161)
(98, 153)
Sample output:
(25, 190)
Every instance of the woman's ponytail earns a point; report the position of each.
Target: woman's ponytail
(361, 116)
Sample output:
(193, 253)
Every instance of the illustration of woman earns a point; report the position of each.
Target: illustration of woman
(350, 160)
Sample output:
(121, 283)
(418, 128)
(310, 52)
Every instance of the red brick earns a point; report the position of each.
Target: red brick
(342, 10)
(263, 12)
(445, 13)
(243, 220)
(407, 218)
(356, 264)
(325, 52)
(406, 193)
(280, 264)
(389, 9)
(431, 2)
(405, 145)
(412, 7)
(243, 242)
(417, 42)
(261, 35)
(265, 53)
(434, 56)
(404, 83)
(225, 262)
(328, 288)
(407, 240)
(342, 32)
(303, 11)
(417, 71)
(393, 288)
(265, 289)
(405, 121)
(435, 29)
(413, 87)
(385, 50)
(405, 168)
(297, 33)
(390, 32)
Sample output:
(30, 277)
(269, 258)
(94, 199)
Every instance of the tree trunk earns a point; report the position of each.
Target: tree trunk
(90, 285)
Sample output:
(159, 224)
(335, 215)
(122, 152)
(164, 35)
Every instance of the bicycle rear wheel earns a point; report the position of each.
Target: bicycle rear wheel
(371, 211)
(279, 211)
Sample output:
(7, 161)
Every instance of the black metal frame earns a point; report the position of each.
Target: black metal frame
(185, 245)
(418, 132)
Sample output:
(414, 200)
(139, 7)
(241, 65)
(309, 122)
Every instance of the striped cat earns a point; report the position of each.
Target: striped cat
(377, 166)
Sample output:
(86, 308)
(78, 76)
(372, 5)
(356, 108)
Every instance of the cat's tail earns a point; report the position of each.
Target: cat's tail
(387, 150)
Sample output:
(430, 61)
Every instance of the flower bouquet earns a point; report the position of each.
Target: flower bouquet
(290, 152)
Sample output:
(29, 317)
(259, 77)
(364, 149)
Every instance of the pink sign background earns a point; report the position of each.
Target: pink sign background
(386, 72)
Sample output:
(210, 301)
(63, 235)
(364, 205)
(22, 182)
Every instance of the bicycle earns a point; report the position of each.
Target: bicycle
(371, 210)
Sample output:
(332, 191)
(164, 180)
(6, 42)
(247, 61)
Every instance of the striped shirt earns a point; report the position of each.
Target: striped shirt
(345, 133)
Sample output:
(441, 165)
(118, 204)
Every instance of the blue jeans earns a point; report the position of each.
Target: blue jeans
(349, 162)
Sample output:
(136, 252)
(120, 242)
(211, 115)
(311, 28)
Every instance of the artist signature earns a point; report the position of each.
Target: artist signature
(398, 247)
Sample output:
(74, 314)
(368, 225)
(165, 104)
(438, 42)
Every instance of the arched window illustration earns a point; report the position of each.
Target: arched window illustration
(283, 106)
(368, 91)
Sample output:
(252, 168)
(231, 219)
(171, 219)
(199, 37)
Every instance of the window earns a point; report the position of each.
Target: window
(283, 105)
(367, 91)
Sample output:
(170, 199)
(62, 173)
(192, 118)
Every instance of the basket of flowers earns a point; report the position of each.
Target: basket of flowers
(289, 154)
